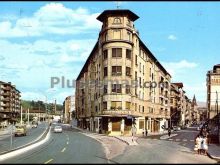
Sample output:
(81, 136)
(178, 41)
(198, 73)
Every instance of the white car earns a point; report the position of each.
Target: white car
(176, 128)
(58, 129)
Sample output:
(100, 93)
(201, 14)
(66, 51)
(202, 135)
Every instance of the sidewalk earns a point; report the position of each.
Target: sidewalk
(214, 151)
(125, 139)
(128, 140)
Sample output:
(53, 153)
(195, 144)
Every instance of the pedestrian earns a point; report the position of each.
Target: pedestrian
(205, 145)
(196, 144)
(200, 141)
(146, 132)
(133, 132)
(169, 131)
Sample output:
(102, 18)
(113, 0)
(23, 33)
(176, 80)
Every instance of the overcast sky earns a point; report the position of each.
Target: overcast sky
(40, 40)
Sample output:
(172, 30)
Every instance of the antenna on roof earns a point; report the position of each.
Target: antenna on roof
(117, 4)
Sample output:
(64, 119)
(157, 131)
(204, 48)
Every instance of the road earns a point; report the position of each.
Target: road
(32, 134)
(71, 146)
(67, 147)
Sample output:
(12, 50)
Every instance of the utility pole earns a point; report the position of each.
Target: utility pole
(55, 108)
(21, 115)
(28, 116)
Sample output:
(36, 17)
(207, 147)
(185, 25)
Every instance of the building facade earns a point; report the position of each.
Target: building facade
(120, 56)
(213, 91)
(10, 103)
(183, 110)
(68, 108)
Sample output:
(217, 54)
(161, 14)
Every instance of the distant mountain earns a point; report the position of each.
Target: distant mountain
(201, 104)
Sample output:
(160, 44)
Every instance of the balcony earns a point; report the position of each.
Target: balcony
(116, 112)
(6, 94)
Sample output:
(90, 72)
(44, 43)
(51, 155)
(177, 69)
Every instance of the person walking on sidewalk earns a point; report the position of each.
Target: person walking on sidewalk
(200, 143)
(169, 131)
(196, 144)
(205, 144)
(133, 132)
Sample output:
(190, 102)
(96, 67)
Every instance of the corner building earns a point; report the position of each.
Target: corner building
(118, 56)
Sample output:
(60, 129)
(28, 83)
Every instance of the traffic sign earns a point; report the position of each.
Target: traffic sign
(163, 126)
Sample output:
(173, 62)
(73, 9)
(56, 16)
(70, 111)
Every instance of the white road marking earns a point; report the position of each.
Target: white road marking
(170, 139)
(185, 140)
(63, 149)
(67, 143)
(177, 139)
(48, 161)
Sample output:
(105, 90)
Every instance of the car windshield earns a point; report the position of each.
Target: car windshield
(19, 127)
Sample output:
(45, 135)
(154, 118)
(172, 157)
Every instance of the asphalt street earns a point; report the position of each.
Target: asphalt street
(70, 146)
(66, 147)
(18, 141)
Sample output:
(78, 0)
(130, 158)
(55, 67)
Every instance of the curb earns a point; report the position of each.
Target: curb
(213, 157)
(121, 140)
(26, 145)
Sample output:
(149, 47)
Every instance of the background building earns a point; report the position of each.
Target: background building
(68, 108)
(213, 91)
(119, 55)
(10, 103)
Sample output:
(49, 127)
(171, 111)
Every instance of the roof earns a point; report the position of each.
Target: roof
(120, 12)
(216, 66)
(180, 85)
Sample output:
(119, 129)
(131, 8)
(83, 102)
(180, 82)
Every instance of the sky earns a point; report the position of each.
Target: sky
(41, 40)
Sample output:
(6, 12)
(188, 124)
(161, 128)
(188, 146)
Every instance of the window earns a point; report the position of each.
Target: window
(116, 88)
(105, 54)
(128, 54)
(140, 67)
(129, 36)
(116, 52)
(105, 71)
(141, 124)
(128, 89)
(106, 36)
(117, 34)
(116, 71)
(136, 76)
(143, 109)
(128, 105)
(140, 82)
(105, 89)
(116, 105)
(117, 21)
(128, 71)
(136, 57)
(105, 105)
(139, 108)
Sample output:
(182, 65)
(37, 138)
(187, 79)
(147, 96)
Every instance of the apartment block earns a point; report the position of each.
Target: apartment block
(68, 108)
(183, 110)
(122, 84)
(213, 91)
(10, 103)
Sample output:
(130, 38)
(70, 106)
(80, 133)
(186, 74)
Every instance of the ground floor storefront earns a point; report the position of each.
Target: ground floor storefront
(122, 125)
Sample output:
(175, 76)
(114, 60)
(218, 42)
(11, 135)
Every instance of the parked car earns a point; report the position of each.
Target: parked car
(58, 129)
(176, 128)
(20, 130)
